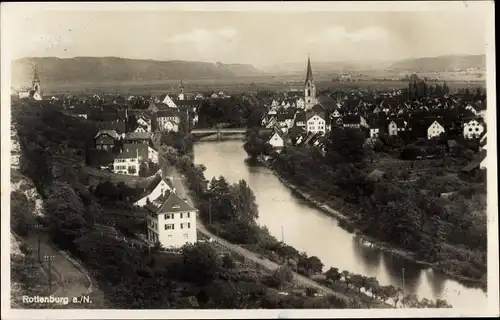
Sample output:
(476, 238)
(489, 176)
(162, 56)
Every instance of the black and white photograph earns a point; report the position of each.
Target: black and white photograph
(277, 159)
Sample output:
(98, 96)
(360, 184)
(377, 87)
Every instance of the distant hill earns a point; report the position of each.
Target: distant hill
(441, 63)
(96, 69)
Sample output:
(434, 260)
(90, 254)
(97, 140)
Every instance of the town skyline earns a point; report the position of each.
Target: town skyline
(244, 37)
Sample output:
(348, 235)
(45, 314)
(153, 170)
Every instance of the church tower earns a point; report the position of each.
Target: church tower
(181, 95)
(36, 82)
(310, 87)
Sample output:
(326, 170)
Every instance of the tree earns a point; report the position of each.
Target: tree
(131, 170)
(228, 262)
(245, 201)
(199, 263)
(333, 274)
(282, 275)
(346, 276)
(345, 146)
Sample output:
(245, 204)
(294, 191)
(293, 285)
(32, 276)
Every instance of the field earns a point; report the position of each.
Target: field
(379, 81)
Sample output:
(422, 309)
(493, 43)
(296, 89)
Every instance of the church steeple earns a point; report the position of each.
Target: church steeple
(309, 87)
(36, 81)
(309, 73)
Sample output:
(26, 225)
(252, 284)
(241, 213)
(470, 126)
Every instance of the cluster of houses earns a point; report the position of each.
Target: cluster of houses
(391, 114)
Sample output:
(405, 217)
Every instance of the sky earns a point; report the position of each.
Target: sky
(260, 38)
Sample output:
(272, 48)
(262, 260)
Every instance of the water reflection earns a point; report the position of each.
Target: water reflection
(310, 230)
(436, 281)
(369, 256)
(394, 266)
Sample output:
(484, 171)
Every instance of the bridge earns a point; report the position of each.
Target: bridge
(219, 130)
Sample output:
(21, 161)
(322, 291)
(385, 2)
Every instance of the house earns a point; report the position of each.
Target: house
(152, 154)
(106, 139)
(171, 221)
(143, 123)
(395, 126)
(168, 120)
(155, 190)
(435, 130)
(335, 114)
(169, 102)
(137, 137)
(277, 139)
(295, 134)
(473, 129)
(130, 158)
(199, 96)
(300, 119)
(300, 103)
(353, 121)
(471, 109)
(315, 123)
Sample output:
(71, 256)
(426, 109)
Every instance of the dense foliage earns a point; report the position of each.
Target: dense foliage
(411, 215)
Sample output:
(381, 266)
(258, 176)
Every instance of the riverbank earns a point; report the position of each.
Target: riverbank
(384, 246)
(267, 250)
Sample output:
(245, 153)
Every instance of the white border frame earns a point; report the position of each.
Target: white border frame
(8, 10)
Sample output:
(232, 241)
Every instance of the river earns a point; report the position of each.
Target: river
(312, 231)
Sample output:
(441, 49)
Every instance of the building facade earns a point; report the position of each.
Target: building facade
(171, 221)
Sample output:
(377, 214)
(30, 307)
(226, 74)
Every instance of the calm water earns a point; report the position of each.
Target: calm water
(309, 230)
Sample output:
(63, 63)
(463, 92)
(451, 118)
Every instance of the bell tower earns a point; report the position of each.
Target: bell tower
(309, 87)
(36, 82)
(181, 94)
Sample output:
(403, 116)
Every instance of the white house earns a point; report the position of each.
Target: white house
(144, 124)
(161, 187)
(152, 155)
(127, 163)
(199, 96)
(435, 130)
(129, 160)
(169, 102)
(315, 123)
(473, 129)
(171, 221)
(374, 132)
(276, 140)
(300, 103)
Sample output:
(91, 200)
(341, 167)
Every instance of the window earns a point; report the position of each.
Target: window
(175, 207)
(181, 215)
(186, 236)
(169, 226)
(182, 225)
(188, 214)
(189, 225)
(169, 216)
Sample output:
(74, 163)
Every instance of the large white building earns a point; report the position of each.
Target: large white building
(315, 123)
(171, 221)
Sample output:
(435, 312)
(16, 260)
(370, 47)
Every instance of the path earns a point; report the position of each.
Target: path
(270, 265)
